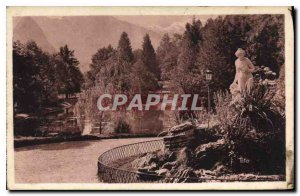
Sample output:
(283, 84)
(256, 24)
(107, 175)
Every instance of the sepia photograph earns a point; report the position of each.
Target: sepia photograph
(177, 98)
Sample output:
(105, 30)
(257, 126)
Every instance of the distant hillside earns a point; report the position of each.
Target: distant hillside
(27, 29)
(84, 34)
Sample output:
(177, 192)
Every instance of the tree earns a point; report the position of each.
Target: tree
(193, 32)
(124, 49)
(34, 77)
(149, 56)
(167, 54)
(266, 41)
(100, 61)
(70, 75)
(217, 53)
(138, 53)
(85, 106)
(258, 35)
(121, 64)
(144, 80)
(187, 75)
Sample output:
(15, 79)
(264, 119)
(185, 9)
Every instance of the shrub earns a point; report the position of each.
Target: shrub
(253, 127)
(122, 127)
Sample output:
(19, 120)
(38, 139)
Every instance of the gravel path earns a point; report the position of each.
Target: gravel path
(68, 162)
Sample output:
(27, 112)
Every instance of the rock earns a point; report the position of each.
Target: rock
(210, 146)
(205, 175)
(182, 128)
(146, 175)
(190, 135)
(144, 171)
(184, 175)
(220, 169)
(183, 156)
(207, 155)
(162, 172)
(204, 135)
(148, 161)
(171, 156)
(147, 170)
(168, 165)
(152, 167)
(175, 142)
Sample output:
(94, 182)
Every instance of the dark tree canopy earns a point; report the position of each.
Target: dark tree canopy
(145, 80)
(260, 36)
(149, 56)
(167, 53)
(187, 75)
(69, 72)
(39, 77)
(184, 58)
(100, 61)
(193, 32)
(124, 48)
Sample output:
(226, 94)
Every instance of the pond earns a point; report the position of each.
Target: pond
(67, 162)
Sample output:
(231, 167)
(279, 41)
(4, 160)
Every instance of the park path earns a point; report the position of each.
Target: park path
(68, 162)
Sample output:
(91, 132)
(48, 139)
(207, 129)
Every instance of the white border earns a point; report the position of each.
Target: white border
(25, 11)
(5, 3)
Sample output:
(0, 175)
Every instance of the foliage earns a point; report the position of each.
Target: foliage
(183, 59)
(261, 36)
(34, 77)
(193, 32)
(253, 124)
(122, 127)
(124, 71)
(149, 57)
(167, 54)
(187, 75)
(38, 77)
(265, 39)
(100, 60)
(86, 106)
(116, 71)
(145, 80)
(124, 48)
(68, 71)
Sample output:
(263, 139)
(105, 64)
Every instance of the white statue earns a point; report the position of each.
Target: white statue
(243, 80)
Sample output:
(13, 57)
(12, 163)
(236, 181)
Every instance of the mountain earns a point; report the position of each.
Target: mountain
(26, 29)
(164, 23)
(84, 34)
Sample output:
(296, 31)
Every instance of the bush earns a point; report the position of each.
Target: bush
(26, 127)
(122, 127)
(253, 128)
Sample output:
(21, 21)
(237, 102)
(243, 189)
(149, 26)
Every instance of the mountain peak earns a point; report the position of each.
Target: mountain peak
(27, 29)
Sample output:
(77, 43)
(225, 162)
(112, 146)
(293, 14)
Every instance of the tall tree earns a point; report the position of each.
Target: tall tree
(117, 72)
(124, 48)
(149, 56)
(187, 76)
(217, 53)
(70, 74)
(193, 32)
(265, 44)
(167, 53)
(100, 61)
(258, 35)
(33, 77)
(144, 80)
